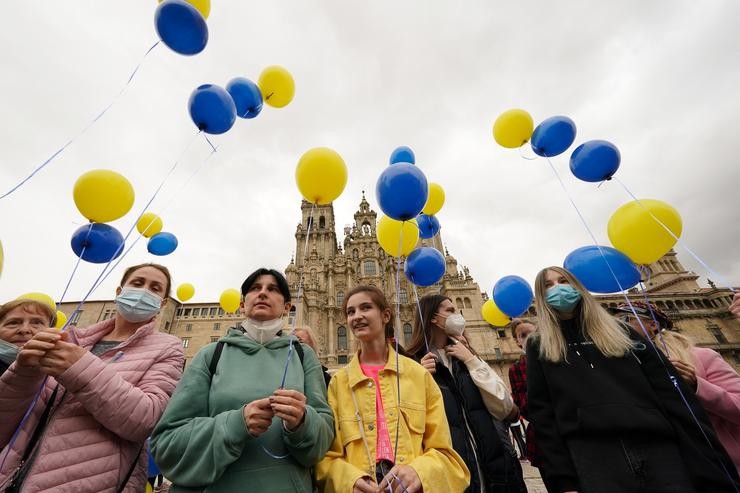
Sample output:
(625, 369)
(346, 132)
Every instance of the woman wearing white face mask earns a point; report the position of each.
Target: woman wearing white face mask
(105, 387)
(608, 417)
(474, 395)
(250, 413)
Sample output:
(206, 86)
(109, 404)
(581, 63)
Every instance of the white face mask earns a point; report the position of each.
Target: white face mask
(454, 324)
(263, 332)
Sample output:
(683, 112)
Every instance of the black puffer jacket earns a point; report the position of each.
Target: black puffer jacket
(594, 397)
(463, 402)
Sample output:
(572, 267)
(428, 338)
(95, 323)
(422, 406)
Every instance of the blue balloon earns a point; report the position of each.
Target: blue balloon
(424, 266)
(402, 191)
(181, 27)
(162, 244)
(402, 154)
(428, 226)
(247, 97)
(97, 243)
(553, 136)
(597, 272)
(595, 160)
(212, 109)
(512, 295)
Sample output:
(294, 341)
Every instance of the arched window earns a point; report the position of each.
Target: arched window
(407, 334)
(366, 230)
(309, 223)
(368, 267)
(661, 304)
(467, 303)
(340, 298)
(707, 304)
(670, 305)
(402, 296)
(341, 338)
(322, 222)
(355, 254)
(291, 315)
(459, 303)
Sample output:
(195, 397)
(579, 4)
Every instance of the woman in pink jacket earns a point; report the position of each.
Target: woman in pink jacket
(106, 387)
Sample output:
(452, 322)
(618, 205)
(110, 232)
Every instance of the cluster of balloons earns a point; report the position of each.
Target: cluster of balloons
(181, 25)
(214, 109)
(512, 296)
(160, 243)
(61, 317)
(101, 196)
(515, 127)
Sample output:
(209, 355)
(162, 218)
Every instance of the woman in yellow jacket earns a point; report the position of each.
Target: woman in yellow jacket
(373, 450)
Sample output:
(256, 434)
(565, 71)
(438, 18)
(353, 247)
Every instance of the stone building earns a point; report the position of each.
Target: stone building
(330, 269)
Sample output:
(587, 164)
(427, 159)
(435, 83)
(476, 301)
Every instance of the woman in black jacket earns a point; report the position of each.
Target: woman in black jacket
(474, 395)
(609, 413)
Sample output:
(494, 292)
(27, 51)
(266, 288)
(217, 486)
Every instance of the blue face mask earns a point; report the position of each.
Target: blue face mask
(563, 297)
(137, 305)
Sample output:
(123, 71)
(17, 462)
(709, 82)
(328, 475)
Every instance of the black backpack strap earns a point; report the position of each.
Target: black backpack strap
(298, 349)
(216, 356)
(131, 469)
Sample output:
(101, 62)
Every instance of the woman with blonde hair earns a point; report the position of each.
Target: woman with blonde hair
(606, 413)
(390, 424)
(715, 383)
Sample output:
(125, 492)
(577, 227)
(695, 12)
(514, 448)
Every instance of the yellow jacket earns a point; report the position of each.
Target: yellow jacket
(424, 441)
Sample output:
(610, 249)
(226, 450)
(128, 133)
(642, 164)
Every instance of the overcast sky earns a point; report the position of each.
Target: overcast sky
(660, 79)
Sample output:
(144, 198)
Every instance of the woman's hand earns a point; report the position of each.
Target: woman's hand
(365, 485)
(429, 362)
(290, 406)
(459, 350)
(258, 416)
(63, 355)
(35, 349)
(409, 480)
(686, 371)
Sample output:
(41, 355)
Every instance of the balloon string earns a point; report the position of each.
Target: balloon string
(397, 331)
(642, 326)
(723, 281)
(77, 264)
(84, 130)
(521, 152)
(421, 318)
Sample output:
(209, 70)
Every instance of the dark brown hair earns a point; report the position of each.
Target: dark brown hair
(161, 268)
(379, 300)
(422, 333)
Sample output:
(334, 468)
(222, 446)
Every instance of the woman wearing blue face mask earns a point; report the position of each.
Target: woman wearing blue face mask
(94, 393)
(474, 396)
(608, 416)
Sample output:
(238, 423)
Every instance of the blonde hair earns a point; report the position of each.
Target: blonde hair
(310, 339)
(29, 306)
(597, 324)
(679, 346)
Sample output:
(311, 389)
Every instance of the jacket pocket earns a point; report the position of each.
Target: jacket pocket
(415, 417)
(612, 419)
(349, 429)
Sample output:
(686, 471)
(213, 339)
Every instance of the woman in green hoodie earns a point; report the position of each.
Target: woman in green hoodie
(226, 427)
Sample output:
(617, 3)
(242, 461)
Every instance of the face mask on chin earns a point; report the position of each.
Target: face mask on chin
(263, 331)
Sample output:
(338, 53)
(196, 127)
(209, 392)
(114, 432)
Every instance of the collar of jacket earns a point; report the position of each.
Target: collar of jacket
(354, 372)
(88, 336)
(237, 337)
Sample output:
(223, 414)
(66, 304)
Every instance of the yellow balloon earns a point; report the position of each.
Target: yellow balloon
(435, 199)
(321, 175)
(277, 86)
(103, 195)
(185, 291)
(202, 6)
(230, 300)
(149, 488)
(61, 319)
(493, 315)
(513, 128)
(149, 224)
(634, 229)
(389, 236)
(41, 298)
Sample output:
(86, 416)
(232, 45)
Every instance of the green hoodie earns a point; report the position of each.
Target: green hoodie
(202, 444)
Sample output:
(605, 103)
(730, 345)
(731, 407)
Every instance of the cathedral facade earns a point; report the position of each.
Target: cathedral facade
(330, 269)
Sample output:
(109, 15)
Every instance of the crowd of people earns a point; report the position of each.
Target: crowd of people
(612, 402)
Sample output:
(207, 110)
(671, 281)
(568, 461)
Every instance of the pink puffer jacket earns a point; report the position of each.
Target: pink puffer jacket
(109, 407)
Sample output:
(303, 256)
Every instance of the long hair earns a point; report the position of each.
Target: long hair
(596, 323)
(679, 346)
(422, 333)
(379, 300)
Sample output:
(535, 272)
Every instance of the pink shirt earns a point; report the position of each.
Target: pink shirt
(383, 447)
